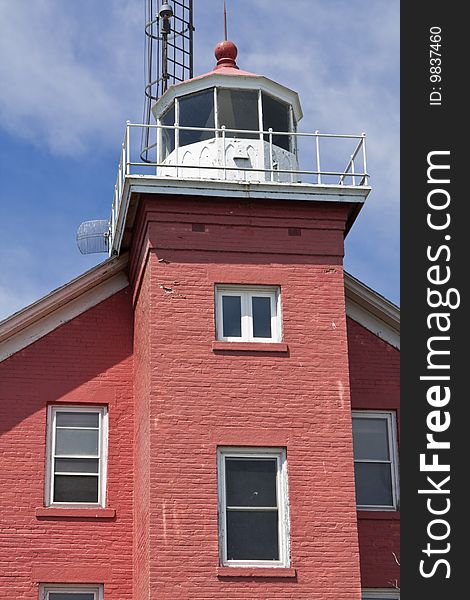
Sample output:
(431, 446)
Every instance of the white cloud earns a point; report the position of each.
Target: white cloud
(66, 85)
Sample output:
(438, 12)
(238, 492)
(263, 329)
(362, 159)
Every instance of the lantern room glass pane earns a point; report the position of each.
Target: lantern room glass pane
(276, 117)
(196, 110)
(238, 109)
(168, 135)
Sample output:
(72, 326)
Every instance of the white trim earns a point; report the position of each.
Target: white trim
(372, 311)
(97, 590)
(52, 411)
(62, 305)
(381, 593)
(390, 417)
(282, 504)
(291, 192)
(233, 82)
(246, 293)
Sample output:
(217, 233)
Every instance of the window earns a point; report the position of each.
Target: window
(168, 135)
(248, 314)
(76, 592)
(380, 594)
(276, 117)
(196, 110)
(375, 460)
(77, 448)
(253, 507)
(238, 109)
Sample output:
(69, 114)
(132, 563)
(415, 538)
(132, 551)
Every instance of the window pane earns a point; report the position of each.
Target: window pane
(71, 596)
(75, 488)
(251, 482)
(77, 441)
(373, 484)
(76, 465)
(238, 110)
(77, 419)
(276, 116)
(261, 317)
(196, 110)
(252, 535)
(232, 316)
(370, 438)
(168, 135)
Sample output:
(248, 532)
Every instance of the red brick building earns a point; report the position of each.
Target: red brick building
(177, 423)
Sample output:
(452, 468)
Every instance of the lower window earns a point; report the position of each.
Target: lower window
(77, 448)
(76, 592)
(253, 507)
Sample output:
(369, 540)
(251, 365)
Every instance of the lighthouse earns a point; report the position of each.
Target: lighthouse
(214, 408)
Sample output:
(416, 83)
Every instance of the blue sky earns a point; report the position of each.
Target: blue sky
(71, 74)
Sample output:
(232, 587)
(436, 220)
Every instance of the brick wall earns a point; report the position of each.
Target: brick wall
(88, 360)
(375, 385)
(200, 398)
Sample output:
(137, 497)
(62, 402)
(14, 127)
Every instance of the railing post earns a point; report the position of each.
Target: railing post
(119, 181)
(177, 145)
(317, 144)
(353, 178)
(224, 157)
(127, 156)
(364, 158)
(271, 159)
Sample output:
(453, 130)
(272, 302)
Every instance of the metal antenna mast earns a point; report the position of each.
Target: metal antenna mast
(225, 21)
(168, 56)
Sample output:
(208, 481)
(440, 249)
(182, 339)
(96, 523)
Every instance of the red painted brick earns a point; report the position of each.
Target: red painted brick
(88, 359)
(148, 353)
(199, 398)
(375, 385)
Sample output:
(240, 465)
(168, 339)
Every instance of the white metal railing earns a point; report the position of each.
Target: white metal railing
(354, 174)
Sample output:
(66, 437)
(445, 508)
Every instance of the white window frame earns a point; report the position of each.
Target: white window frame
(381, 593)
(282, 503)
(97, 590)
(102, 453)
(390, 418)
(246, 292)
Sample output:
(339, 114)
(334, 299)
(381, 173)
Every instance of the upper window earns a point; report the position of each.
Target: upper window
(76, 592)
(375, 460)
(77, 447)
(253, 512)
(248, 314)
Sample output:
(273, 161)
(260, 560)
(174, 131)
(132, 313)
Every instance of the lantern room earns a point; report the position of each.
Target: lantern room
(228, 124)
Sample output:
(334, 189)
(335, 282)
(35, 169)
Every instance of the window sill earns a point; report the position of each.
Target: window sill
(256, 572)
(378, 515)
(75, 513)
(250, 346)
